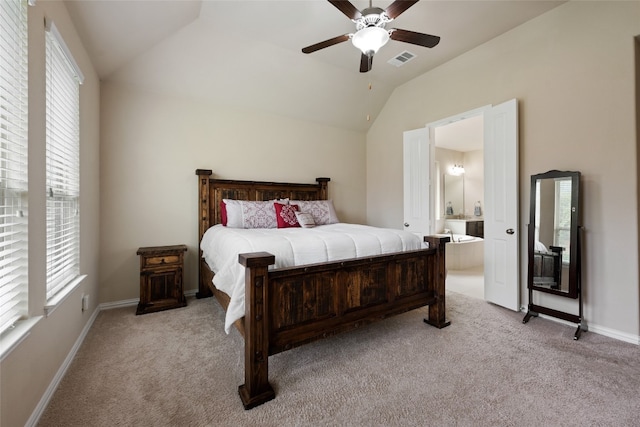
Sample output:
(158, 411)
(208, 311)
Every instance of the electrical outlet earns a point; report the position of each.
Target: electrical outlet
(85, 302)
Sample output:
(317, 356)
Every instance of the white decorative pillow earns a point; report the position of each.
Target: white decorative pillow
(250, 214)
(234, 213)
(305, 220)
(322, 211)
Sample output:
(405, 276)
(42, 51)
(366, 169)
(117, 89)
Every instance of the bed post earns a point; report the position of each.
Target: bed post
(437, 313)
(256, 389)
(324, 184)
(204, 222)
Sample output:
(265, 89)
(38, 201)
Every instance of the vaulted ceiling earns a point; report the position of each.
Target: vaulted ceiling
(248, 53)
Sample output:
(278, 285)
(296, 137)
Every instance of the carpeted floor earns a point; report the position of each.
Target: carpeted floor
(178, 368)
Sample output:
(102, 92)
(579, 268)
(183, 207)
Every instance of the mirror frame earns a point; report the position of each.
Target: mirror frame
(574, 255)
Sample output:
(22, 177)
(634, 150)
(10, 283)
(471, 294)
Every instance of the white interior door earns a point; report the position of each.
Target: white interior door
(417, 178)
(501, 233)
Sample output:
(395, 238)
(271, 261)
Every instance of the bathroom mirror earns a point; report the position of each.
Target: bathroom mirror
(554, 255)
(453, 195)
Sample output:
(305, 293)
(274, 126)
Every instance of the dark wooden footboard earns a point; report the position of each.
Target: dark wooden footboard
(289, 307)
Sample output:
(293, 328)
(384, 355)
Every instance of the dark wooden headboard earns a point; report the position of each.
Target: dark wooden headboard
(211, 191)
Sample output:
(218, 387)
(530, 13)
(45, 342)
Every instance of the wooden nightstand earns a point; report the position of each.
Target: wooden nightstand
(161, 274)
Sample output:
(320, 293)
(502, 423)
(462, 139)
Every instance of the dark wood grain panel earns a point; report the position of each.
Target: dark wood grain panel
(288, 307)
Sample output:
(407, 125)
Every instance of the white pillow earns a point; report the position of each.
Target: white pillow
(250, 214)
(234, 213)
(305, 219)
(322, 211)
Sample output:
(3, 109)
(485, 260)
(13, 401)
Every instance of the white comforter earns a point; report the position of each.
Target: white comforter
(291, 247)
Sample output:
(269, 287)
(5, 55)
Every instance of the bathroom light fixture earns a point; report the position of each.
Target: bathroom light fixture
(457, 170)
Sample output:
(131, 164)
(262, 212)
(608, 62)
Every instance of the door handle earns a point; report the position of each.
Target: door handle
(406, 224)
(510, 231)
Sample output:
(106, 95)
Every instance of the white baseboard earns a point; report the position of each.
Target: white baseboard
(118, 304)
(44, 401)
(612, 333)
(600, 330)
(48, 394)
(130, 302)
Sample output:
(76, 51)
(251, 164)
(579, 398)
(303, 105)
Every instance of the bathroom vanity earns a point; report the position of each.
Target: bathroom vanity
(468, 227)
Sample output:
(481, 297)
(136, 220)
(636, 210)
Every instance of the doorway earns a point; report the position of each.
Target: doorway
(459, 157)
(500, 210)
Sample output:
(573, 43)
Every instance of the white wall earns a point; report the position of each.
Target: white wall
(572, 70)
(28, 370)
(151, 145)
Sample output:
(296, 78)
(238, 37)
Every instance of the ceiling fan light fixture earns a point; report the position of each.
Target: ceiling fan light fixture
(370, 39)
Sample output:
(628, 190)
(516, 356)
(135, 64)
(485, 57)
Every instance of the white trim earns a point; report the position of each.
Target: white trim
(48, 394)
(457, 117)
(50, 26)
(596, 329)
(44, 401)
(615, 334)
(118, 304)
(11, 338)
(58, 298)
(130, 302)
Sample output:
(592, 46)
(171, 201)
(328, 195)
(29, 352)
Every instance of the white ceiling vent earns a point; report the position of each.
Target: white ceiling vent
(402, 58)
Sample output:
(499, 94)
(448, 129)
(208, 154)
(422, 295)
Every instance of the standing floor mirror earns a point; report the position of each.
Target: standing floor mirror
(554, 243)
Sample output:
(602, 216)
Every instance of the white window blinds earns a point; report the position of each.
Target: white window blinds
(13, 162)
(562, 216)
(63, 164)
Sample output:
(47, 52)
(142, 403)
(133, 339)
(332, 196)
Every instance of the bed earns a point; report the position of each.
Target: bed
(289, 306)
(547, 266)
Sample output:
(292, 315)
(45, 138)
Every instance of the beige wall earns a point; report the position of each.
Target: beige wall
(151, 145)
(27, 371)
(572, 71)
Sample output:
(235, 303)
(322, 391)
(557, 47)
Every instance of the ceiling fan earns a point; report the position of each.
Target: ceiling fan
(371, 34)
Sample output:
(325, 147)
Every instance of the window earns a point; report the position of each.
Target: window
(562, 216)
(63, 163)
(13, 162)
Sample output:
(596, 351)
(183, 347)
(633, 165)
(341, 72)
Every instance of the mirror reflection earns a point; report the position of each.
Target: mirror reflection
(453, 195)
(552, 233)
(554, 230)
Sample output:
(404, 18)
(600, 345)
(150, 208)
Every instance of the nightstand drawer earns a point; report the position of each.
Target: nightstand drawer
(156, 261)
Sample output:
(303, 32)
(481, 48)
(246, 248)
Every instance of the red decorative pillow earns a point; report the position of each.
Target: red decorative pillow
(286, 215)
(223, 213)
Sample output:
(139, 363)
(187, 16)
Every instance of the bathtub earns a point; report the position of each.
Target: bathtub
(463, 252)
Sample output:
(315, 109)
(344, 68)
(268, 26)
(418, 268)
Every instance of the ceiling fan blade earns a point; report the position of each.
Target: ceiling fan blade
(347, 8)
(325, 43)
(399, 6)
(366, 62)
(426, 40)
